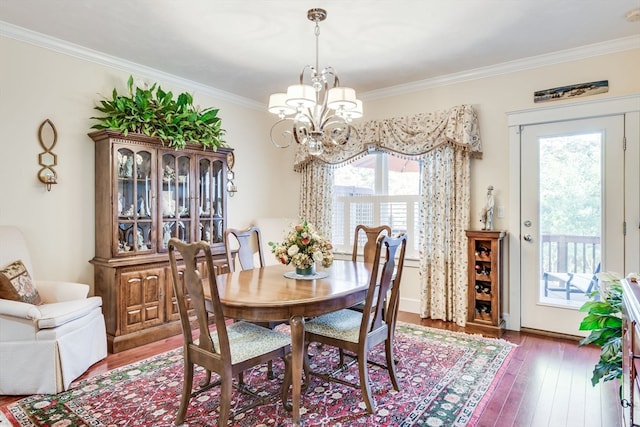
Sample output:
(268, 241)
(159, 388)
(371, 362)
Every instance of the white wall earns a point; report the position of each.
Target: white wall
(36, 83)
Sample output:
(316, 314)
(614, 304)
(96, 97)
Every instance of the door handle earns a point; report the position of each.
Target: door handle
(528, 237)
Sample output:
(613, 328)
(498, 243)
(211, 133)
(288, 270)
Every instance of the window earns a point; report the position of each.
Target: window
(377, 189)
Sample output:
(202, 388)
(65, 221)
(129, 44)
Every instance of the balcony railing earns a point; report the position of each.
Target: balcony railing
(570, 254)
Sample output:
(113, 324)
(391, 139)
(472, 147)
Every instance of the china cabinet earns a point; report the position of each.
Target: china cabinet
(484, 311)
(147, 193)
(630, 387)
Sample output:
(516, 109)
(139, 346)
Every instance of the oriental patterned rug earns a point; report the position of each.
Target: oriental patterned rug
(446, 379)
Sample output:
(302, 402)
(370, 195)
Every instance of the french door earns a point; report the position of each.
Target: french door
(572, 216)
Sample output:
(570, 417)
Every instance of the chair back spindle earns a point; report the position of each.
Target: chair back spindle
(249, 243)
(372, 234)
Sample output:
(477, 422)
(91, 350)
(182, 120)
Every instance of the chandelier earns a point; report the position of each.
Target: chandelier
(317, 112)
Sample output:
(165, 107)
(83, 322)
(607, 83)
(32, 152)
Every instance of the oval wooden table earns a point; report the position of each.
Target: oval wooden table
(265, 294)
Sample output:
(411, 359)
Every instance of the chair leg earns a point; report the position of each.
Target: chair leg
(226, 388)
(341, 353)
(270, 370)
(286, 383)
(305, 368)
(207, 379)
(391, 363)
(186, 393)
(365, 386)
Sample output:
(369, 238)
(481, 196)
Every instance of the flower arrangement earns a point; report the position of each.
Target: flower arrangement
(303, 246)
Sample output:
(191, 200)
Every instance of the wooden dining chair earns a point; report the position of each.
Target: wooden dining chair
(248, 247)
(358, 332)
(230, 349)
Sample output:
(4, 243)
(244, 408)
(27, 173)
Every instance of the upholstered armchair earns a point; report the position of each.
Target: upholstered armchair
(50, 340)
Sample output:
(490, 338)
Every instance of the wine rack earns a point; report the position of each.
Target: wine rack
(484, 311)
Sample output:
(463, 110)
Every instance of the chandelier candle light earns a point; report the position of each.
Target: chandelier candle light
(320, 112)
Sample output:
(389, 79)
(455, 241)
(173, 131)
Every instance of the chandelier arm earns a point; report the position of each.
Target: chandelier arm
(330, 71)
(337, 130)
(311, 68)
(334, 119)
(286, 135)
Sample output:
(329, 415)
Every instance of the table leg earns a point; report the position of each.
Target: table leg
(297, 354)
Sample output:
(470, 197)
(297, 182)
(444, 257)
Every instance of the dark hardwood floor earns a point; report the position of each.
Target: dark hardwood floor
(547, 382)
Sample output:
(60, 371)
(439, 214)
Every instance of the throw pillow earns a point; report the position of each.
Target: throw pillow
(16, 284)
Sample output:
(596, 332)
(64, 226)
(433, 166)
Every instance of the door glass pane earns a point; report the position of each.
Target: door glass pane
(570, 216)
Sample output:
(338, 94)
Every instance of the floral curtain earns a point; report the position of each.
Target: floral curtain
(445, 141)
(316, 194)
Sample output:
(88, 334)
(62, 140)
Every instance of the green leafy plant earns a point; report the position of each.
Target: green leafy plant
(157, 113)
(605, 323)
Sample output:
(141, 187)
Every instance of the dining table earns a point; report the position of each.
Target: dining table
(276, 293)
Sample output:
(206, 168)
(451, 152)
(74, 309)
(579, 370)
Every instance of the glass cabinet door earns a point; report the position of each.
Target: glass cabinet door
(210, 200)
(134, 193)
(175, 198)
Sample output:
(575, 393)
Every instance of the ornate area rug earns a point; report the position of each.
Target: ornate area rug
(446, 379)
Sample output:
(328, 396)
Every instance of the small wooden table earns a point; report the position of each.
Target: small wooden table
(264, 294)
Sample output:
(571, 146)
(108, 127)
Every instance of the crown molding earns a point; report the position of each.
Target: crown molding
(77, 51)
(568, 55)
(37, 39)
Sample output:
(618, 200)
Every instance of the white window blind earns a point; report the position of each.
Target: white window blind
(376, 190)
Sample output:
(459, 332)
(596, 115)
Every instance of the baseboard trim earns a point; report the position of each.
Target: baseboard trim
(551, 334)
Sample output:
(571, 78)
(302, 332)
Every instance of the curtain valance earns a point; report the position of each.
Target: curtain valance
(407, 136)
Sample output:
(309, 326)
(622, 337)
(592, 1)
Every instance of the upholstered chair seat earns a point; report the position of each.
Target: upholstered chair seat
(343, 325)
(248, 340)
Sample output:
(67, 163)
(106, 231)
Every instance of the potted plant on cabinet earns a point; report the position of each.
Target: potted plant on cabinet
(154, 112)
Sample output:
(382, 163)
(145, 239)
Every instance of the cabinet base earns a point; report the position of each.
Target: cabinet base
(116, 344)
(485, 329)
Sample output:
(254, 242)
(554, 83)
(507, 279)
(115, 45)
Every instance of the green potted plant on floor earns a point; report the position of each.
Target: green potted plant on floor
(154, 112)
(605, 323)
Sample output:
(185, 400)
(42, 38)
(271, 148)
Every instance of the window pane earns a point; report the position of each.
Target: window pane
(404, 176)
(353, 179)
(374, 190)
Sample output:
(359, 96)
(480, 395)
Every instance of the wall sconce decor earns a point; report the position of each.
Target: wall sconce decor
(48, 136)
(231, 185)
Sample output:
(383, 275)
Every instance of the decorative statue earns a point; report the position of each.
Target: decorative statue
(126, 166)
(486, 216)
(166, 234)
(141, 245)
(120, 203)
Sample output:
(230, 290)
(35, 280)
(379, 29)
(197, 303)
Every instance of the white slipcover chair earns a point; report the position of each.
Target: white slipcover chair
(45, 347)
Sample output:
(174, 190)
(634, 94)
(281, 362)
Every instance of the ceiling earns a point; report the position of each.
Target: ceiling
(251, 48)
